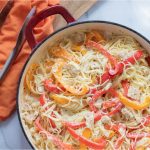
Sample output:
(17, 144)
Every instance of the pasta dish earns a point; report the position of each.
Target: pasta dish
(90, 91)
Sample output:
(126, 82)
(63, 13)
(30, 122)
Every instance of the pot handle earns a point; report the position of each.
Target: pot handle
(52, 10)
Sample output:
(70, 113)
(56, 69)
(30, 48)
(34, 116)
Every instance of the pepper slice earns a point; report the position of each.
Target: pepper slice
(58, 75)
(85, 141)
(131, 60)
(125, 85)
(138, 135)
(62, 53)
(42, 102)
(97, 117)
(54, 139)
(49, 86)
(120, 66)
(94, 36)
(99, 47)
(29, 79)
(135, 105)
(59, 99)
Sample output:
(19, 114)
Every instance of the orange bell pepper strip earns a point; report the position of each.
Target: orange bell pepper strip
(85, 141)
(101, 49)
(62, 53)
(79, 49)
(56, 140)
(59, 99)
(58, 75)
(94, 36)
(87, 133)
(135, 105)
(29, 79)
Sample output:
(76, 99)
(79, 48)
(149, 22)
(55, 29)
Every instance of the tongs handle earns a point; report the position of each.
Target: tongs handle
(18, 46)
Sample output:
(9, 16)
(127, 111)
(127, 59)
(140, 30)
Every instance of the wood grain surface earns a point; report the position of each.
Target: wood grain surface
(76, 7)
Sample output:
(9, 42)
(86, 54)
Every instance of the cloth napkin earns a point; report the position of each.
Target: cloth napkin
(8, 35)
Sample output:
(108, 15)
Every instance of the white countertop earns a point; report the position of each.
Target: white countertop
(132, 13)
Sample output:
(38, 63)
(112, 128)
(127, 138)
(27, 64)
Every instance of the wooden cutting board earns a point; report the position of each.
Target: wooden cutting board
(76, 7)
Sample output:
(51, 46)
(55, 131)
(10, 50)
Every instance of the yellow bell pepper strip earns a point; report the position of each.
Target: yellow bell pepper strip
(58, 75)
(94, 36)
(85, 141)
(29, 79)
(59, 99)
(62, 53)
(56, 140)
(135, 105)
(42, 102)
(101, 49)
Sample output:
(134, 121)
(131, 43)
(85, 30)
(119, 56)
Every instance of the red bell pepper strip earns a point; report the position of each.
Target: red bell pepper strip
(85, 141)
(97, 117)
(137, 135)
(42, 102)
(116, 109)
(54, 139)
(118, 142)
(107, 76)
(146, 121)
(95, 97)
(49, 86)
(120, 66)
(115, 127)
(99, 47)
(131, 60)
(110, 103)
(125, 85)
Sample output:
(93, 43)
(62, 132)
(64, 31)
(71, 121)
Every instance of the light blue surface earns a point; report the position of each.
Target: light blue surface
(132, 13)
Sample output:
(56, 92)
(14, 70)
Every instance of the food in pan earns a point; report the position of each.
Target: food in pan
(91, 90)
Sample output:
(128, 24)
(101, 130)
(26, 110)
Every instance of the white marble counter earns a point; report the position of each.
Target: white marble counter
(132, 13)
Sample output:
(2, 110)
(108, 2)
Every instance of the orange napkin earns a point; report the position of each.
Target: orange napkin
(8, 36)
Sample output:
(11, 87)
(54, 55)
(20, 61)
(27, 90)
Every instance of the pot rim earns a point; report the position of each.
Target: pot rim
(40, 43)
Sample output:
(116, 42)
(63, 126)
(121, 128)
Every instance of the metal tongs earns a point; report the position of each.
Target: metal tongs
(18, 46)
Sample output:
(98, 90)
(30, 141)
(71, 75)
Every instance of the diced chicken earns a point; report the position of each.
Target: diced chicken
(127, 113)
(89, 119)
(105, 120)
(72, 70)
(134, 92)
